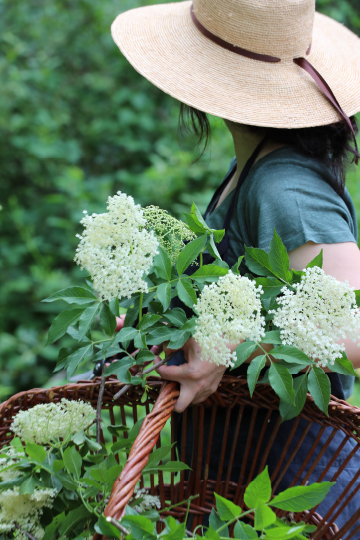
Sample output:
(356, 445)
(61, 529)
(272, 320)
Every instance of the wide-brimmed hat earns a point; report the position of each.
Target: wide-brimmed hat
(273, 63)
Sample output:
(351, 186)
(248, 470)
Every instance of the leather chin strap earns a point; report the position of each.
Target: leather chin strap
(301, 62)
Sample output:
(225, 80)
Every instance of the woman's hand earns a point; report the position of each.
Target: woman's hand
(198, 378)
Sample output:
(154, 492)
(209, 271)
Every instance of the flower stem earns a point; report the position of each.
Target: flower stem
(99, 402)
(201, 259)
(140, 305)
(117, 525)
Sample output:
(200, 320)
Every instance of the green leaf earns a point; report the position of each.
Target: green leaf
(73, 461)
(114, 307)
(195, 212)
(264, 517)
(284, 533)
(176, 316)
(343, 366)
(271, 286)
(120, 369)
(127, 334)
(67, 481)
(162, 264)
(215, 522)
(107, 320)
(186, 293)
(159, 335)
(244, 532)
(28, 486)
(282, 382)
(87, 318)
(288, 410)
(212, 249)
(259, 490)
(35, 452)
(279, 259)
(92, 445)
(139, 525)
(50, 530)
(226, 509)
(291, 354)
(218, 235)
(73, 295)
(158, 455)
(170, 466)
(357, 297)
(211, 534)
(195, 225)
(236, 266)
(257, 261)
(319, 388)
(147, 321)
(208, 273)
(253, 372)
(163, 293)
(179, 338)
(76, 358)
(190, 253)
(272, 337)
(73, 518)
(318, 261)
(58, 465)
(301, 498)
(243, 351)
(113, 473)
(62, 322)
(144, 356)
(103, 527)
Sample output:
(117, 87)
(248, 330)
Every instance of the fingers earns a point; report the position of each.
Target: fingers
(120, 323)
(156, 349)
(174, 373)
(185, 399)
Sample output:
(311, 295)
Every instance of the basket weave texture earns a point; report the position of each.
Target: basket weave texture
(231, 392)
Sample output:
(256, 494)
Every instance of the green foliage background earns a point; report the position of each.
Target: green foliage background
(77, 124)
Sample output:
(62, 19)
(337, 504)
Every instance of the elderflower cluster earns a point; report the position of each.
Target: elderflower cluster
(229, 311)
(116, 249)
(317, 315)
(47, 423)
(25, 510)
(171, 233)
(147, 501)
(7, 471)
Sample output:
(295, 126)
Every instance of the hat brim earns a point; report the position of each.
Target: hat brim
(163, 44)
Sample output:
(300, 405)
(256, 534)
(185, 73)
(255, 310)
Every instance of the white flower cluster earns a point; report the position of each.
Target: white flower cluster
(229, 311)
(47, 423)
(116, 249)
(7, 472)
(147, 501)
(25, 510)
(315, 317)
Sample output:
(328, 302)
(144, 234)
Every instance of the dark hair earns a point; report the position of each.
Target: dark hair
(331, 144)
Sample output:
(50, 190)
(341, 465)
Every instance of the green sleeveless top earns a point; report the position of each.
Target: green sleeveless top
(292, 193)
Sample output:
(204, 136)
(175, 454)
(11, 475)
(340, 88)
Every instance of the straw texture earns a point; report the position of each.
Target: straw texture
(163, 45)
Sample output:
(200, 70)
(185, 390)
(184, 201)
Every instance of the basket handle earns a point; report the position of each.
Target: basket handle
(152, 425)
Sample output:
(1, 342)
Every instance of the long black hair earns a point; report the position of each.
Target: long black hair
(331, 144)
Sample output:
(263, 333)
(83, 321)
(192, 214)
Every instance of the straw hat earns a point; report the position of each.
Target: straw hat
(214, 55)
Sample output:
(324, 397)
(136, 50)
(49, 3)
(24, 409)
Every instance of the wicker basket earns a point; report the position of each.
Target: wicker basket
(232, 392)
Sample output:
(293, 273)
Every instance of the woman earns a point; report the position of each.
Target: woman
(271, 70)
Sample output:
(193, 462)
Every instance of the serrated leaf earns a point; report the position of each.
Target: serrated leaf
(253, 372)
(162, 264)
(140, 526)
(58, 465)
(120, 369)
(35, 452)
(158, 455)
(176, 316)
(114, 307)
(28, 486)
(218, 235)
(243, 351)
(357, 297)
(73, 295)
(215, 522)
(209, 273)
(186, 293)
(264, 517)
(76, 358)
(301, 498)
(196, 212)
(179, 338)
(87, 318)
(242, 531)
(319, 388)
(147, 321)
(62, 322)
(195, 225)
(279, 259)
(113, 473)
(144, 356)
(257, 261)
(226, 509)
(127, 334)
(73, 461)
(163, 293)
(190, 252)
(272, 337)
(170, 466)
(317, 261)
(236, 266)
(343, 366)
(50, 530)
(212, 249)
(271, 286)
(284, 533)
(107, 320)
(73, 518)
(210, 534)
(282, 382)
(259, 490)
(291, 354)
(288, 410)
(105, 528)
(159, 335)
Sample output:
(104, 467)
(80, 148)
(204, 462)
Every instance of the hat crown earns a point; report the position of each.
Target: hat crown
(281, 28)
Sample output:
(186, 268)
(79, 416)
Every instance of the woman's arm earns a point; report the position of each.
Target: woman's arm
(199, 379)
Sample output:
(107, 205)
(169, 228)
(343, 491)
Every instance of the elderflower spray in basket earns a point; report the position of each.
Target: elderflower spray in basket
(141, 260)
